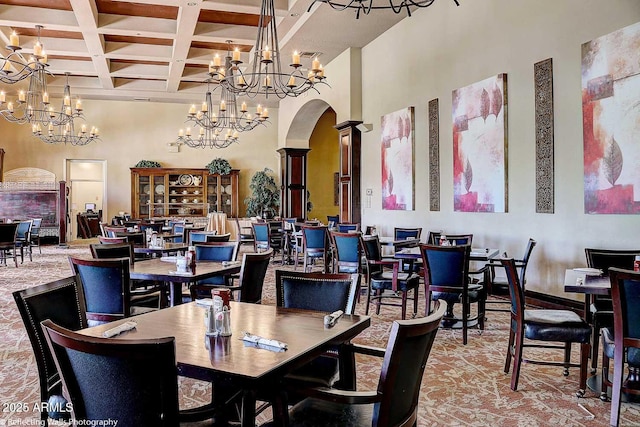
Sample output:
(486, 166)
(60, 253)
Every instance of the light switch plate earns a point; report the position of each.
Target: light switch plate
(369, 191)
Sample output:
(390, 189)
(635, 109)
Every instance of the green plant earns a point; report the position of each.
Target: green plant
(265, 197)
(219, 166)
(309, 202)
(147, 164)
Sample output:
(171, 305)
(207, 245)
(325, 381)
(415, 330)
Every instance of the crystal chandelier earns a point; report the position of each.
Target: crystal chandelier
(14, 67)
(266, 76)
(366, 6)
(65, 132)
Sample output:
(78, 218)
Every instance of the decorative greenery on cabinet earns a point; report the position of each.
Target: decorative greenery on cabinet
(147, 164)
(219, 166)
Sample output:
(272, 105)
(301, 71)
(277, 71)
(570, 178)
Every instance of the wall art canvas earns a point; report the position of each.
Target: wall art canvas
(611, 122)
(397, 133)
(480, 146)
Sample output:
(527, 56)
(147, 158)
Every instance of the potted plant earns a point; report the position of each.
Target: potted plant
(265, 197)
(147, 164)
(219, 166)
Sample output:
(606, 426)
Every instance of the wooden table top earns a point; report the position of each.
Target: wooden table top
(477, 254)
(302, 330)
(593, 285)
(157, 269)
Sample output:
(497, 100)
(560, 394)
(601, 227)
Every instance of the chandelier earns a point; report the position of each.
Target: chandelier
(65, 132)
(266, 76)
(14, 67)
(208, 138)
(366, 6)
(33, 106)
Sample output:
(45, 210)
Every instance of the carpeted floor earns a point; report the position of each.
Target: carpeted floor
(462, 385)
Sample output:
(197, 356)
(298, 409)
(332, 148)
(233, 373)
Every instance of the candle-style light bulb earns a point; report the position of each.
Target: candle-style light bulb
(14, 40)
(266, 54)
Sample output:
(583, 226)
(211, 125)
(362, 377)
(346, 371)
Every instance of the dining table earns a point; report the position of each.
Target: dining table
(166, 248)
(164, 270)
(237, 367)
(477, 254)
(590, 282)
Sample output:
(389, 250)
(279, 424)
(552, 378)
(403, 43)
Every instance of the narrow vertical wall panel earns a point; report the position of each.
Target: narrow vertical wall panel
(434, 155)
(543, 80)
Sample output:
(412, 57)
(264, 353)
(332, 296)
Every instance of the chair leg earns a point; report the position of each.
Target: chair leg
(567, 358)
(465, 322)
(404, 305)
(517, 360)
(616, 390)
(415, 301)
(585, 349)
(507, 362)
(605, 378)
(368, 299)
(378, 300)
(595, 339)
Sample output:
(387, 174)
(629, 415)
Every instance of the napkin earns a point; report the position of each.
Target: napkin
(126, 326)
(266, 343)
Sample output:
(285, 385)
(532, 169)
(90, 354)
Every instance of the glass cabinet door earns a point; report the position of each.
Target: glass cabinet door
(226, 192)
(144, 195)
(158, 195)
(213, 187)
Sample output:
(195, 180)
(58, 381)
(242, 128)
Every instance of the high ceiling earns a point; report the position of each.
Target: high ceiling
(159, 50)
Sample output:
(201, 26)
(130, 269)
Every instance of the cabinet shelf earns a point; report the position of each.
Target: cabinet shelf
(210, 192)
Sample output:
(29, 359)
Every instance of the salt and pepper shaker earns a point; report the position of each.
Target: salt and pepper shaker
(191, 259)
(209, 321)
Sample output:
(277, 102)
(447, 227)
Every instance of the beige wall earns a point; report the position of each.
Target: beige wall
(133, 131)
(444, 47)
(322, 162)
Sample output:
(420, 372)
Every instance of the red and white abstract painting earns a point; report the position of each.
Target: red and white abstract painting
(611, 122)
(479, 146)
(397, 133)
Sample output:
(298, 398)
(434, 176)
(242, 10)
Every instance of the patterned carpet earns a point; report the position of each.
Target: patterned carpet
(462, 385)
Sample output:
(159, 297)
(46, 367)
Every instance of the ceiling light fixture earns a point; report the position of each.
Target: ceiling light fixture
(64, 133)
(14, 67)
(366, 6)
(266, 75)
(212, 120)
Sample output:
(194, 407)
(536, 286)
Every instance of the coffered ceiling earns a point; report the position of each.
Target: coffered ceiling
(159, 50)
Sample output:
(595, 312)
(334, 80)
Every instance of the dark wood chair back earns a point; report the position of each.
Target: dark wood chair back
(111, 240)
(252, 273)
(453, 239)
(261, 236)
(106, 287)
(112, 230)
(317, 291)
(348, 252)
(114, 250)
(153, 226)
(217, 251)
(61, 301)
(218, 237)
(401, 233)
(607, 258)
(8, 244)
(130, 382)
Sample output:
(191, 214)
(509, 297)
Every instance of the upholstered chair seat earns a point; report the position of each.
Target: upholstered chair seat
(555, 325)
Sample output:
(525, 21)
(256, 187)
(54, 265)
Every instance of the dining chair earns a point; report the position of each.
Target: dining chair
(62, 301)
(348, 252)
(545, 326)
(345, 227)
(601, 308)
(500, 286)
(335, 219)
(326, 293)
(452, 239)
(251, 280)
(128, 382)
(315, 246)
(621, 342)
(200, 237)
(35, 234)
(111, 240)
(106, 288)
(277, 236)
(8, 246)
(226, 237)
(261, 236)
(111, 230)
(214, 251)
(395, 401)
(446, 277)
(136, 237)
(244, 234)
(401, 233)
(386, 279)
(153, 226)
(177, 228)
(23, 239)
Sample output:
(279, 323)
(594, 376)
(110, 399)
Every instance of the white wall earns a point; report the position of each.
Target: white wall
(444, 47)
